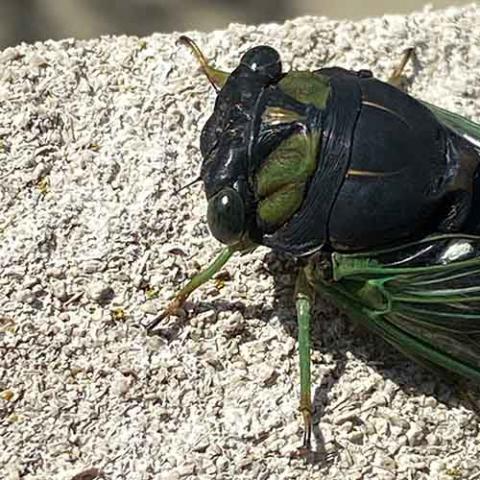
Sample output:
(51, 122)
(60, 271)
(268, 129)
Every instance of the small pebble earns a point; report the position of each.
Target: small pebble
(100, 292)
(59, 290)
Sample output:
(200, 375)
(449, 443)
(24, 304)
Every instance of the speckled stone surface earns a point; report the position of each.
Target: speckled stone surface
(95, 137)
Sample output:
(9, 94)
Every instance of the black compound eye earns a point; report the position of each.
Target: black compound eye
(226, 216)
(263, 60)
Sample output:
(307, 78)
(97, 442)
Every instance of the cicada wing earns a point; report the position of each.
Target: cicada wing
(423, 298)
(460, 125)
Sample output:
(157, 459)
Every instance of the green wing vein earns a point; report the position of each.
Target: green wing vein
(461, 125)
(423, 298)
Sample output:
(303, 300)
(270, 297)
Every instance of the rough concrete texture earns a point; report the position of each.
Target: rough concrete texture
(95, 136)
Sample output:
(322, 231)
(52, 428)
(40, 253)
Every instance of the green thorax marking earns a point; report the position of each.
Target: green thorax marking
(307, 87)
(282, 178)
(293, 161)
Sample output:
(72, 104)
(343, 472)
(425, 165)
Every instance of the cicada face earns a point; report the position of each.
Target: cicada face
(226, 144)
(259, 148)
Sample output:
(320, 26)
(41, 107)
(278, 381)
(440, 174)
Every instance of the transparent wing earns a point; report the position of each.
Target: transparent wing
(460, 125)
(423, 298)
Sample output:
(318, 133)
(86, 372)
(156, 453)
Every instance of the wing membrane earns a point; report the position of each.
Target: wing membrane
(460, 125)
(423, 298)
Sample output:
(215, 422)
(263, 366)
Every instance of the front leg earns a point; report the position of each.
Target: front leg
(196, 281)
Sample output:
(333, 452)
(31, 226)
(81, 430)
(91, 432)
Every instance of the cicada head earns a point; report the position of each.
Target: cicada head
(259, 145)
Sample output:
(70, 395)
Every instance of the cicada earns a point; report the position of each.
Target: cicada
(377, 192)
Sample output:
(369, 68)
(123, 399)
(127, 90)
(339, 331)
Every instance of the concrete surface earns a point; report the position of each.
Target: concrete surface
(95, 137)
(33, 20)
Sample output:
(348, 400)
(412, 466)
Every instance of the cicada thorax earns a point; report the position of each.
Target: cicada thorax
(385, 170)
(307, 229)
(286, 146)
(408, 175)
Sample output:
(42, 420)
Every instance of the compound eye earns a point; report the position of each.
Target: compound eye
(226, 216)
(263, 60)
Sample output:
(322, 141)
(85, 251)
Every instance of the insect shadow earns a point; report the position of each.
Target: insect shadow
(333, 333)
(337, 338)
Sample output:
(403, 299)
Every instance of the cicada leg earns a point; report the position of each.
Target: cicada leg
(304, 298)
(216, 77)
(397, 79)
(195, 282)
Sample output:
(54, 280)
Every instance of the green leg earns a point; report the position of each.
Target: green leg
(304, 299)
(397, 79)
(195, 282)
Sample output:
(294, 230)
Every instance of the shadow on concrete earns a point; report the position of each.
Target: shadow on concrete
(335, 334)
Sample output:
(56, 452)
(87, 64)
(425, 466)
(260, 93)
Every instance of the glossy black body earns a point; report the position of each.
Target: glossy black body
(387, 169)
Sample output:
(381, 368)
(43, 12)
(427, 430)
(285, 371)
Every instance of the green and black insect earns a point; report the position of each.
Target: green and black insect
(377, 192)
